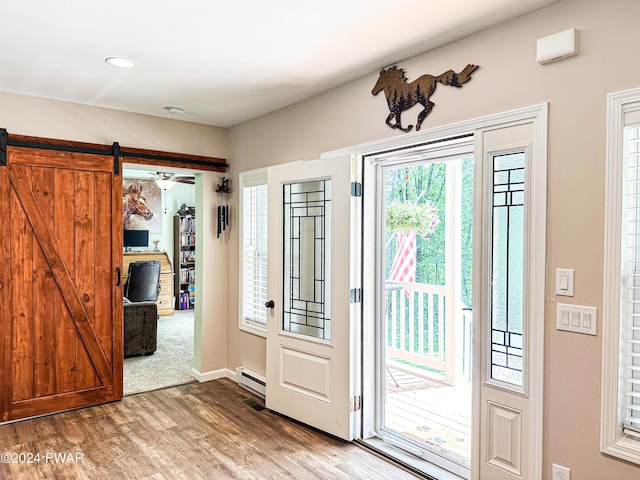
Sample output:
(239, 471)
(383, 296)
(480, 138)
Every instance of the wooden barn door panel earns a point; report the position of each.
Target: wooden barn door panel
(5, 304)
(64, 314)
(44, 294)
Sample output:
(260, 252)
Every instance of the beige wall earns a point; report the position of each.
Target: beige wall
(211, 285)
(23, 115)
(509, 78)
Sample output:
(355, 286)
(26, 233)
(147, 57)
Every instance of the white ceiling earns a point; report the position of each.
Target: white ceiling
(223, 62)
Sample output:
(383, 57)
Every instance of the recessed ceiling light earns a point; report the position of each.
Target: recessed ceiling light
(120, 62)
(174, 110)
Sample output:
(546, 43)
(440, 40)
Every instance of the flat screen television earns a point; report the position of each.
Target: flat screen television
(135, 238)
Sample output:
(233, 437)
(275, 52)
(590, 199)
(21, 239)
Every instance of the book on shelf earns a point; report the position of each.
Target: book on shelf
(187, 239)
(188, 275)
(184, 300)
(191, 291)
(184, 231)
(188, 225)
(188, 298)
(188, 256)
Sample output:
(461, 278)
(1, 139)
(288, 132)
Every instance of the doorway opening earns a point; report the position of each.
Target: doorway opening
(171, 241)
(424, 225)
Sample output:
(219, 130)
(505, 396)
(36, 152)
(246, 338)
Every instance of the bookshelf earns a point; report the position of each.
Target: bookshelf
(184, 259)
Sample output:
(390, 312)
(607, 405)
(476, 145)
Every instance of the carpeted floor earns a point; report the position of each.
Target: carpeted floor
(172, 362)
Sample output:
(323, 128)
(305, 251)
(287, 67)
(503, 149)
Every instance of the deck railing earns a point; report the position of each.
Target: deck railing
(423, 328)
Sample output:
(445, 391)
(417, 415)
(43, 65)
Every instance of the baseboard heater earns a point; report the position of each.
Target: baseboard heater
(251, 381)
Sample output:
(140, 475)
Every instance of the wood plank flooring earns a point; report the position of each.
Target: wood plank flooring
(195, 431)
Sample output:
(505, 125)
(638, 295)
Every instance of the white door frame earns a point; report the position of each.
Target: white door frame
(537, 116)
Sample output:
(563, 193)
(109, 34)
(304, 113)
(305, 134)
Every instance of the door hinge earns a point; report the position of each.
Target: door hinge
(354, 295)
(355, 403)
(356, 189)
(3, 147)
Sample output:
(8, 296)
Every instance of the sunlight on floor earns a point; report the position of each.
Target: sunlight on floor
(430, 412)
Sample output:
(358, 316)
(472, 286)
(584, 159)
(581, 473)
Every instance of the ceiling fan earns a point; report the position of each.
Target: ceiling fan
(167, 180)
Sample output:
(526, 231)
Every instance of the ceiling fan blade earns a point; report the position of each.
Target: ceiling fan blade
(187, 180)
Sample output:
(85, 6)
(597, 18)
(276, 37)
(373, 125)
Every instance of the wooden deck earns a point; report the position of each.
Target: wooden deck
(425, 409)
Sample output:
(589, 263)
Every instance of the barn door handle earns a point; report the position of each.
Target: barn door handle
(119, 276)
(270, 304)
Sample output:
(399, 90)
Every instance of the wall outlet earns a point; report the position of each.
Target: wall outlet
(559, 472)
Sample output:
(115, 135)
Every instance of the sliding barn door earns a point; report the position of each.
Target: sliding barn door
(61, 308)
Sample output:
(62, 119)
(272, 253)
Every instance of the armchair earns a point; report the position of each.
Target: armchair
(143, 283)
(140, 309)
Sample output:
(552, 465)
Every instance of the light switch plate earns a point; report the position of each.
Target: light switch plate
(576, 318)
(564, 282)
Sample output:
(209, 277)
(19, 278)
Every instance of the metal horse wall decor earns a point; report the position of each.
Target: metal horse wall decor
(402, 95)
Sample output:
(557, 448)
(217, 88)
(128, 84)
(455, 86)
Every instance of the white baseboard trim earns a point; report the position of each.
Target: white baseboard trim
(213, 374)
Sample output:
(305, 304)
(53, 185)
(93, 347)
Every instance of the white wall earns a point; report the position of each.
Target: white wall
(508, 78)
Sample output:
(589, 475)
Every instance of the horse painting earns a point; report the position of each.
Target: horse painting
(133, 203)
(402, 95)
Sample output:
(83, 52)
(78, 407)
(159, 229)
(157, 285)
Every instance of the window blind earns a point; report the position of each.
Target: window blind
(254, 253)
(629, 398)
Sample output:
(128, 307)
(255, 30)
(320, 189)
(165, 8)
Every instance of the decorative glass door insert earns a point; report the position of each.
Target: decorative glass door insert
(307, 263)
(508, 268)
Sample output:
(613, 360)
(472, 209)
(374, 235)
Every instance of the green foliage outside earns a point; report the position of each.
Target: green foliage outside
(424, 186)
(421, 219)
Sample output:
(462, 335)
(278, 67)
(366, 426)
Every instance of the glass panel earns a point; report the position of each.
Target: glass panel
(421, 202)
(254, 245)
(307, 261)
(507, 282)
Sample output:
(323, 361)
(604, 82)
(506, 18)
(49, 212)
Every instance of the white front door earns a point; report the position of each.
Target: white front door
(310, 332)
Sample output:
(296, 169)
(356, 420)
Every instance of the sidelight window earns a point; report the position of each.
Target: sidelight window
(621, 314)
(253, 251)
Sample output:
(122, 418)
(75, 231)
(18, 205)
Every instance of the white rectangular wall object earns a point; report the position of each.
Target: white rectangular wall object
(558, 46)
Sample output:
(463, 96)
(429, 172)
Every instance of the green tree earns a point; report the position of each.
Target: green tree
(419, 185)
